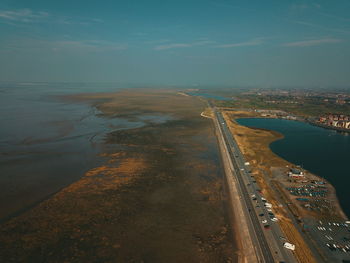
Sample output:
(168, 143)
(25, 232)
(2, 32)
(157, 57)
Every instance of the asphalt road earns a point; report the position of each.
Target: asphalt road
(269, 241)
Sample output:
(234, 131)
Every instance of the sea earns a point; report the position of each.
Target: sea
(323, 152)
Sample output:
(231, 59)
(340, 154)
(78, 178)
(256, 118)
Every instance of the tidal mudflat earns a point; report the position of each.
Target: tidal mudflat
(157, 196)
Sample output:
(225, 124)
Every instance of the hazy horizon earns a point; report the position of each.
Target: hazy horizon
(218, 86)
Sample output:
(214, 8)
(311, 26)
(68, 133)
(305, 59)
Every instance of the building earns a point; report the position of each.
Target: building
(295, 173)
(335, 120)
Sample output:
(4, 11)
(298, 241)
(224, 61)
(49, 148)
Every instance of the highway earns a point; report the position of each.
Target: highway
(268, 242)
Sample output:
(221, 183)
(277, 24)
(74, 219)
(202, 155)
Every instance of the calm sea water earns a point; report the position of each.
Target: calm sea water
(47, 143)
(321, 151)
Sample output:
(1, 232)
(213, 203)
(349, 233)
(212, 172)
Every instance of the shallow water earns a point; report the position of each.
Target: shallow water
(47, 143)
(324, 152)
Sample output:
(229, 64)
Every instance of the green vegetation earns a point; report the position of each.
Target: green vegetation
(301, 106)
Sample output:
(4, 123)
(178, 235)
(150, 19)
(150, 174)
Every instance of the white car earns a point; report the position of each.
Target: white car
(289, 246)
(264, 221)
(274, 219)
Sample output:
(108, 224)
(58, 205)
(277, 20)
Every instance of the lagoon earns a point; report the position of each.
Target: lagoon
(323, 152)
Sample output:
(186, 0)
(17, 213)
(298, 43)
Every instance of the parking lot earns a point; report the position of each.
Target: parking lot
(313, 195)
(334, 236)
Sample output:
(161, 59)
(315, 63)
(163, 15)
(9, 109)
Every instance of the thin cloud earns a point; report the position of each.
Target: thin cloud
(170, 46)
(65, 45)
(159, 41)
(299, 7)
(22, 15)
(182, 45)
(303, 7)
(254, 42)
(227, 5)
(88, 45)
(313, 42)
(203, 42)
(335, 17)
(322, 27)
(97, 20)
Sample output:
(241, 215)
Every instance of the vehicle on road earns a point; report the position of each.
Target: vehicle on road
(289, 246)
(268, 205)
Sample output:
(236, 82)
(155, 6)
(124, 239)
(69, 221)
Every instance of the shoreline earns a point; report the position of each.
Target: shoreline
(328, 127)
(304, 120)
(281, 136)
(317, 249)
(315, 175)
(255, 145)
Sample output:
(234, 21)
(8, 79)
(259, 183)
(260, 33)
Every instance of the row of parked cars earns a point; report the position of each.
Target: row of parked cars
(338, 247)
(271, 215)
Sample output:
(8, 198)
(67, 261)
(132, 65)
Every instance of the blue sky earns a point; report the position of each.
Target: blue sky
(203, 42)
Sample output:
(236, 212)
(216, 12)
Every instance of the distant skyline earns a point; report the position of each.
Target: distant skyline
(208, 42)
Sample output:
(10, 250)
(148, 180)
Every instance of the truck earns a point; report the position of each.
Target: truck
(289, 246)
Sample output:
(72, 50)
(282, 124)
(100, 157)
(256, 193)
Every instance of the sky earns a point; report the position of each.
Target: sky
(204, 42)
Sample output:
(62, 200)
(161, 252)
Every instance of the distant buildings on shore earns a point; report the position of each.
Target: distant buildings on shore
(276, 114)
(335, 120)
